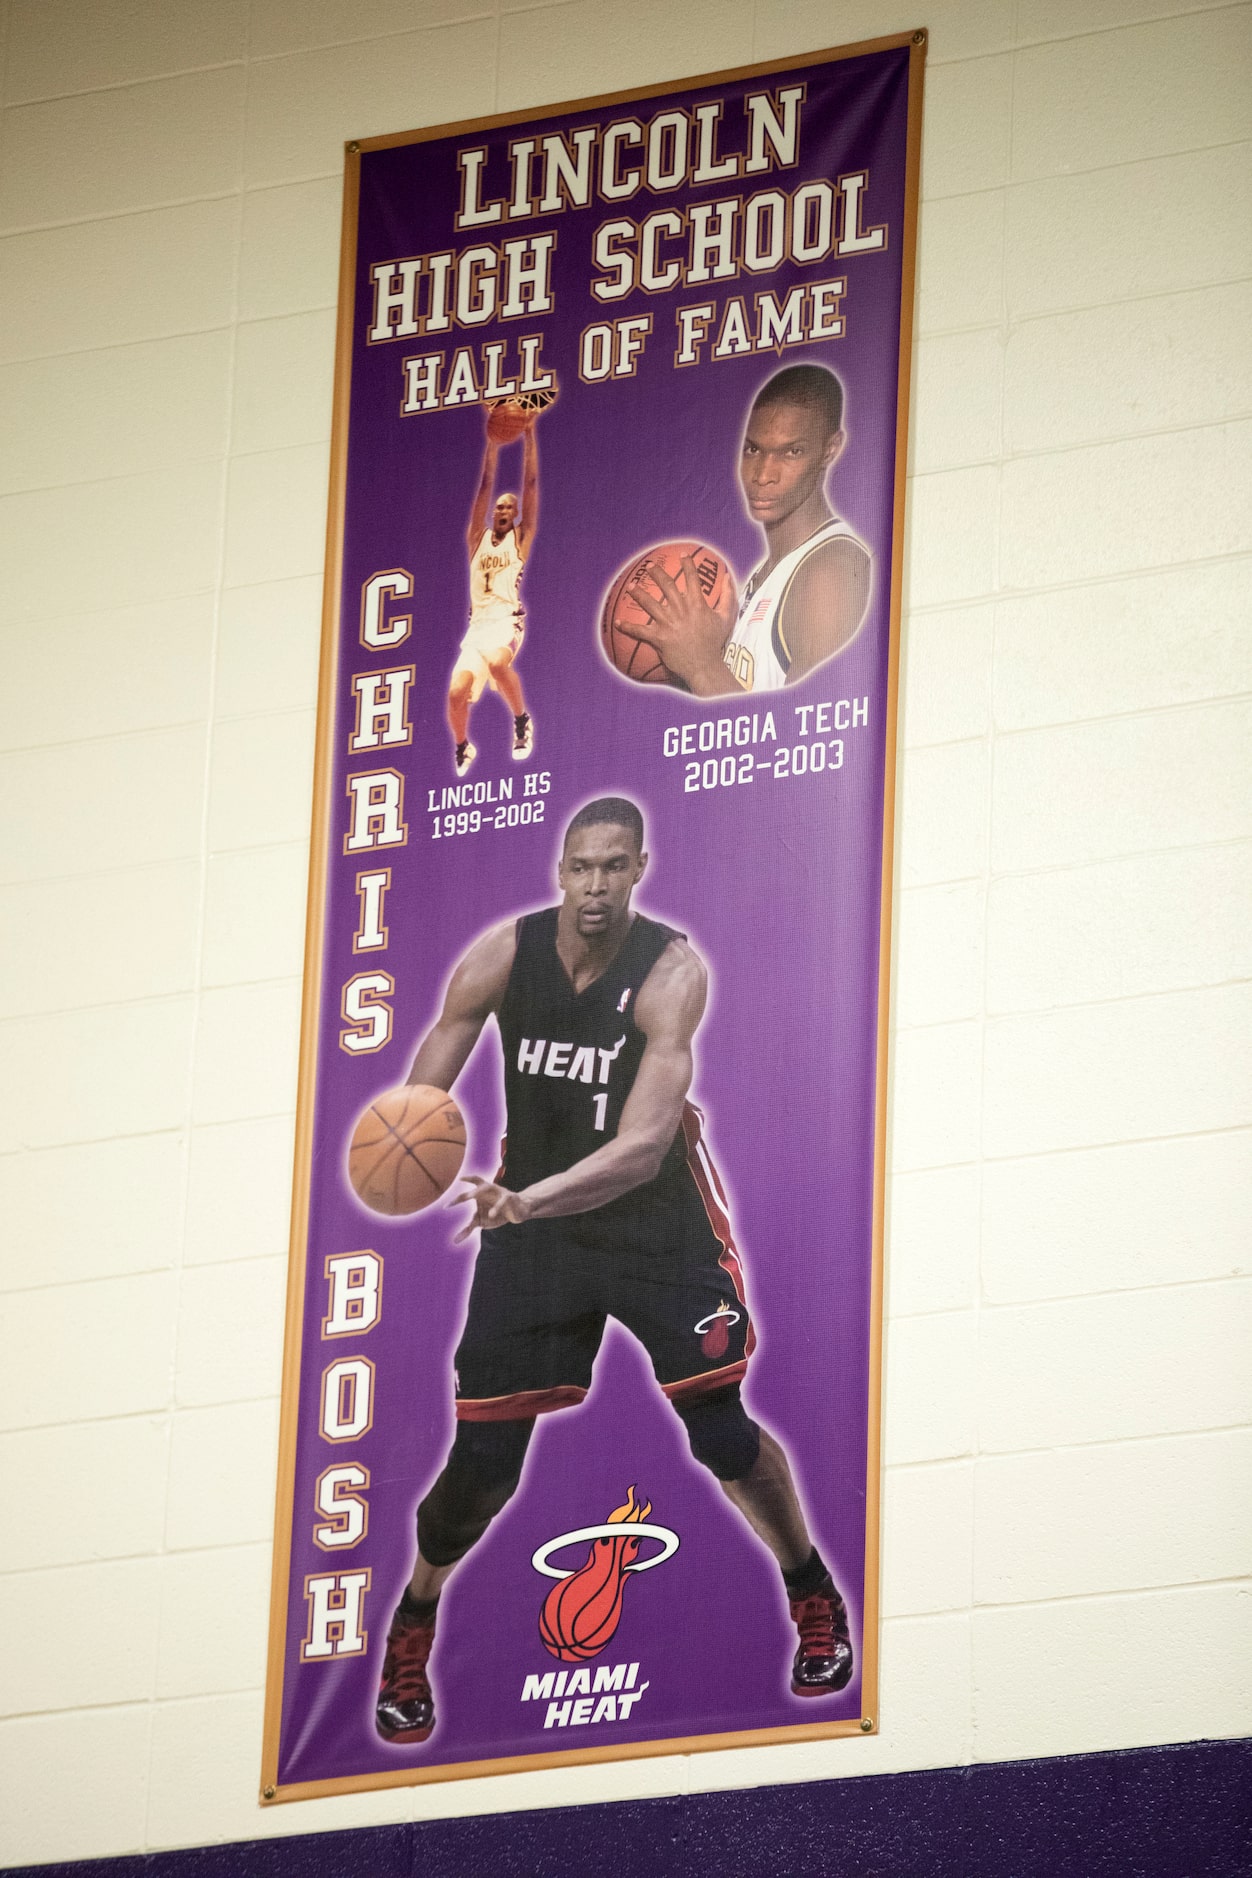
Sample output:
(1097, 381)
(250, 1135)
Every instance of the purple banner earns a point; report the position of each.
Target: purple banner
(615, 516)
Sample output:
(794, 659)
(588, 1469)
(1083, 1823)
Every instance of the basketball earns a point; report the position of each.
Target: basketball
(406, 1149)
(507, 418)
(580, 1614)
(622, 611)
(505, 423)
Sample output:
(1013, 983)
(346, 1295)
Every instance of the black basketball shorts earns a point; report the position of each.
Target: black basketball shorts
(541, 1297)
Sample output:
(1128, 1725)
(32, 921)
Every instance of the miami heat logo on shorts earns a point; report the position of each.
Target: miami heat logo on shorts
(582, 1611)
(714, 1331)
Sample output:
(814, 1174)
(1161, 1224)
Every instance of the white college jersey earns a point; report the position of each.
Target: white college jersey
(756, 652)
(495, 577)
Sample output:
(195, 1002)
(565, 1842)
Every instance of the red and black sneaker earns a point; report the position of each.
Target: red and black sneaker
(405, 1710)
(823, 1662)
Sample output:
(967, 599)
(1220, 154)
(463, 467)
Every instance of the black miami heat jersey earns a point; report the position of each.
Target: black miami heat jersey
(660, 1259)
(570, 1061)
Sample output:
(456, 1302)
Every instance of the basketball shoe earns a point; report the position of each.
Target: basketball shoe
(465, 754)
(523, 737)
(405, 1711)
(823, 1662)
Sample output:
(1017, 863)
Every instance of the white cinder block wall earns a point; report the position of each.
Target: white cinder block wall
(1068, 1377)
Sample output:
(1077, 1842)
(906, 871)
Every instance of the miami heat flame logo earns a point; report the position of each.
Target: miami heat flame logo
(582, 1611)
(714, 1331)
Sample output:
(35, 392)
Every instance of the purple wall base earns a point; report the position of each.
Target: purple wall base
(1169, 1812)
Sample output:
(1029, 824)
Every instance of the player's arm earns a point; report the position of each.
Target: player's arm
(482, 501)
(668, 1011)
(825, 605)
(528, 521)
(475, 991)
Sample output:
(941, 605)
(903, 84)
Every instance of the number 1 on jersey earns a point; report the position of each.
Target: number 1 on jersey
(601, 1102)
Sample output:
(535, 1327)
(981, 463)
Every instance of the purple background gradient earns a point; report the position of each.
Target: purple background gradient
(777, 882)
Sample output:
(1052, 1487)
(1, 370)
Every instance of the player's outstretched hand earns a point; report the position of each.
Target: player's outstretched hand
(684, 629)
(493, 1206)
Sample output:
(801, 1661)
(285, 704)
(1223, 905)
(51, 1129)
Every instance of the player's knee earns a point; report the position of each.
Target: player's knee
(489, 1455)
(723, 1436)
(479, 1477)
(461, 687)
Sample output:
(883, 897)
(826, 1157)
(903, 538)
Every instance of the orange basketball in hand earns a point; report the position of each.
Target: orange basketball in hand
(622, 611)
(406, 1149)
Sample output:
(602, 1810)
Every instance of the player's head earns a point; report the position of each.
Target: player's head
(793, 435)
(602, 860)
(504, 514)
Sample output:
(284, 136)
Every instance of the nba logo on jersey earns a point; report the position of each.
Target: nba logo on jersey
(624, 1000)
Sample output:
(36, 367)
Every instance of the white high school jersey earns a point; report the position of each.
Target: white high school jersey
(495, 577)
(756, 652)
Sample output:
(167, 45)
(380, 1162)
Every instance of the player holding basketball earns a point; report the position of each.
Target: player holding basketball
(497, 558)
(606, 1206)
(808, 597)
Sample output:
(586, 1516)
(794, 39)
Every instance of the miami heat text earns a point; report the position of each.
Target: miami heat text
(603, 1695)
(815, 752)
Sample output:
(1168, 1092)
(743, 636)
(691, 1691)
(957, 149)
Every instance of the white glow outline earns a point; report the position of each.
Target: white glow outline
(621, 1530)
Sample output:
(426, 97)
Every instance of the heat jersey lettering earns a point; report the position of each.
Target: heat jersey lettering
(571, 1058)
(575, 1062)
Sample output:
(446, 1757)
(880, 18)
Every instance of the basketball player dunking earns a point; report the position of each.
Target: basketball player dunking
(497, 558)
(808, 597)
(606, 1206)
